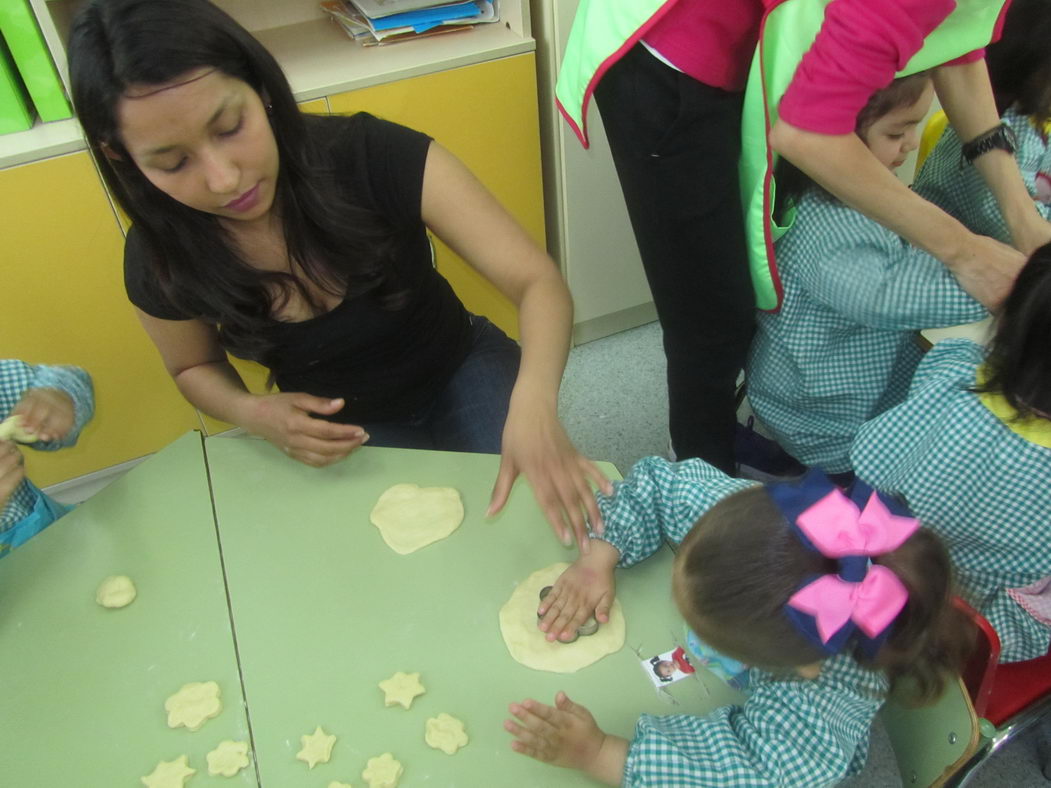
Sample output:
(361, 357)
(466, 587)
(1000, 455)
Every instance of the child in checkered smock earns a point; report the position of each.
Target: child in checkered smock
(970, 451)
(1020, 73)
(842, 348)
(45, 407)
(755, 567)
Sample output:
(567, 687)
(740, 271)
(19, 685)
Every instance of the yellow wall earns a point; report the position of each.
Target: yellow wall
(61, 257)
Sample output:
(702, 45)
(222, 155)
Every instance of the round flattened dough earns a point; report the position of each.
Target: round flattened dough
(116, 591)
(410, 517)
(530, 646)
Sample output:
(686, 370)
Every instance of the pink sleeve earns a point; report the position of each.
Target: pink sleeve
(862, 44)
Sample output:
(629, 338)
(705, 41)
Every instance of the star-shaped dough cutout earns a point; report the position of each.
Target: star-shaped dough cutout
(382, 772)
(445, 733)
(317, 747)
(401, 688)
(228, 758)
(169, 774)
(193, 705)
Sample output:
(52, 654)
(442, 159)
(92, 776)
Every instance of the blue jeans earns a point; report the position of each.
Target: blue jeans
(469, 413)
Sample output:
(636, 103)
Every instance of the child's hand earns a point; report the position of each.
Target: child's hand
(12, 471)
(566, 735)
(585, 589)
(48, 413)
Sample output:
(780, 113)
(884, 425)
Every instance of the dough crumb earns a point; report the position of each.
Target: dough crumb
(169, 774)
(401, 689)
(410, 517)
(228, 758)
(382, 772)
(193, 705)
(317, 747)
(445, 733)
(116, 591)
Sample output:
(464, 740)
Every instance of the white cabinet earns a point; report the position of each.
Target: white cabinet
(587, 223)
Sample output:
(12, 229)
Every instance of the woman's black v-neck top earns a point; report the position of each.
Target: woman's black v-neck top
(386, 363)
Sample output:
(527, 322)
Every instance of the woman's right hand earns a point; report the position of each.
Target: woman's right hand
(287, 420)
(12, 470)
(585, 589)
(986, 269)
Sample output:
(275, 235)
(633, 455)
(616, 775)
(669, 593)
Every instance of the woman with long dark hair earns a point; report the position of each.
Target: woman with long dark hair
(301, 243)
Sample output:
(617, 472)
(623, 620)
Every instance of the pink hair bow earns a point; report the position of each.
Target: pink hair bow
(868, 596)
(836, 528)
(871, 604)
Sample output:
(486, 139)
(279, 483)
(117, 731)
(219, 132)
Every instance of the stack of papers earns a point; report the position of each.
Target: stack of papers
(372, 22)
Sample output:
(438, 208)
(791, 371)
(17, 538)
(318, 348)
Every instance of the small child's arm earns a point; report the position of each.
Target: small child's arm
(658, 502)
(12, 471)
(566, 735)
(51, 402)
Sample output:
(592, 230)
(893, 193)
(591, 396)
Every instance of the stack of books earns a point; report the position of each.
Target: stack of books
(373, 22)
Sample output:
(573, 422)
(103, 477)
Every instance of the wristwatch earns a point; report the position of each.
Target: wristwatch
(1001, 137)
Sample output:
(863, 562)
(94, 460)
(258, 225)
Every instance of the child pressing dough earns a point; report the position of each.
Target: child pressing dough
(765, 554)
(52, 403)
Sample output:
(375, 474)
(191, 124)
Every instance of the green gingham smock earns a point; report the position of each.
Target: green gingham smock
(790, 732)
(842, 349)
(16, 378)
(985, 489)
(961, 192)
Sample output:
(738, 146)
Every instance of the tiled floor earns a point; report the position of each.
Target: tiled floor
(614, 405)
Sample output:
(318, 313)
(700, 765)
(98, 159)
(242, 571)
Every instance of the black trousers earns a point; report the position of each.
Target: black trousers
(675, 144)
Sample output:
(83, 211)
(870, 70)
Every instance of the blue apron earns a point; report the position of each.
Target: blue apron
(45, 511)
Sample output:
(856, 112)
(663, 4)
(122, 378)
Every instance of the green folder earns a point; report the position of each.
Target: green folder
(31, 55)
(15, 113)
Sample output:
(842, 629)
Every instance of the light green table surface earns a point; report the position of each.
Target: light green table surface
(82, 688)
(323, 610)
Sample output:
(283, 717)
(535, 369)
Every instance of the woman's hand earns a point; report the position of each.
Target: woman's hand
(12, 470)
(536, 445)
(287, 420)
(586, 588)
(47, 413)
(567, 735)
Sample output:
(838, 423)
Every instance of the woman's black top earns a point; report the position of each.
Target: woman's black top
(386, 363)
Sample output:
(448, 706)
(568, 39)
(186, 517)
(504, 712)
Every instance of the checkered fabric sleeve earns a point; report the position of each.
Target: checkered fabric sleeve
(660, 501)
(17, 377)
(961, 192)
(790, 732)
(868, 275)
(985, 489)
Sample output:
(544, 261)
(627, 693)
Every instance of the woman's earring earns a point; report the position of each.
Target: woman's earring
(269, 108)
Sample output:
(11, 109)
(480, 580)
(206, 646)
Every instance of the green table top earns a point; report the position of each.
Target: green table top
(323, 610)
(256, 571)
(83, 688)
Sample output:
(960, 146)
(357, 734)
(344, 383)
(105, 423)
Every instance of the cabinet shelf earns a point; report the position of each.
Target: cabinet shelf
(318, 58)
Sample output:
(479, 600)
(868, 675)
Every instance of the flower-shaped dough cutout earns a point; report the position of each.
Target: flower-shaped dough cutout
(317, 747)
(228, 758)
(382, 772)
(335, 784)
(193, 705)
(401, 688)
(169, 774)
(445, 733)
